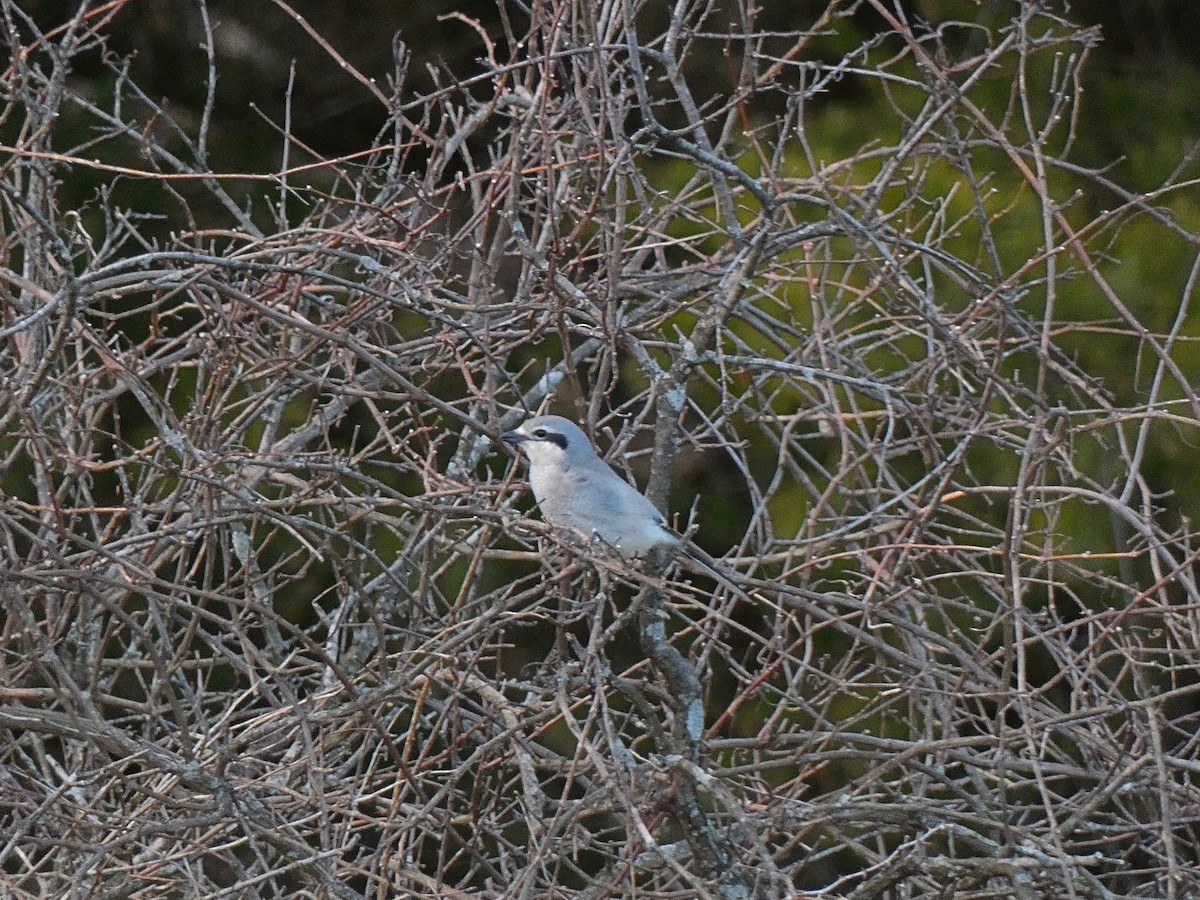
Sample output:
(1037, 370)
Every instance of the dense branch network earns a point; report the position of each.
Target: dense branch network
(277, 617)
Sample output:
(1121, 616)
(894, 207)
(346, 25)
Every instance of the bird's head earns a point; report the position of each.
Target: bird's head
(550, 440)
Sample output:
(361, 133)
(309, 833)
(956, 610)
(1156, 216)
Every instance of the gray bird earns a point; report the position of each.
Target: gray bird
(575, 488)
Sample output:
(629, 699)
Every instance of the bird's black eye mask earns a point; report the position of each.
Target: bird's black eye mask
(553, 437)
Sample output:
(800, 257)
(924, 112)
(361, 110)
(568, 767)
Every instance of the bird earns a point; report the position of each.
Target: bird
(575, 488)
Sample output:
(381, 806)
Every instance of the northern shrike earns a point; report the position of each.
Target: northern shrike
(575, 488)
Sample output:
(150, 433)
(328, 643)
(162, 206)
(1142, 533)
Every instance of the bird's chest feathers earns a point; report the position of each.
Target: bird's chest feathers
(557, 489)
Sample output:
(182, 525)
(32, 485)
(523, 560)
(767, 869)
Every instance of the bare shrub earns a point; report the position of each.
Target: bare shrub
(278, 620)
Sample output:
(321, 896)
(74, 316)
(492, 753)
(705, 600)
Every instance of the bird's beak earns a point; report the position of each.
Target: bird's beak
(512, 437)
